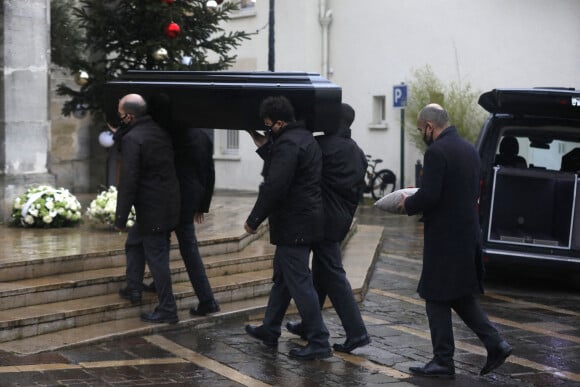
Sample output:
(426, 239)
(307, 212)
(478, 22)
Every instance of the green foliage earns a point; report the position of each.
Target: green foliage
(118, 35)
(65, 38)
(458, 99)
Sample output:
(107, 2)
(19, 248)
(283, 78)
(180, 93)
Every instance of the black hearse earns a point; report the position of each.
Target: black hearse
(530, 153)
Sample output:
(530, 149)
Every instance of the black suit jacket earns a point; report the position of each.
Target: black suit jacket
(195, 171)
(290, 195)
(344, 166)
(448, 201)
(148, 180)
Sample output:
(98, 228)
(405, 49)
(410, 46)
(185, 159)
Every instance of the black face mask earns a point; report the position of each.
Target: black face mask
(427, 140)
(268, 130)
(121, 130)
(121, 125)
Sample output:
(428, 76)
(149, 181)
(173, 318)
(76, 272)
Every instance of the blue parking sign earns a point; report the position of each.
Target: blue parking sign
(400, 96)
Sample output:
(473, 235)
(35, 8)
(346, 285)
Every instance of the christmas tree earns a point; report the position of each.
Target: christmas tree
(102, 39)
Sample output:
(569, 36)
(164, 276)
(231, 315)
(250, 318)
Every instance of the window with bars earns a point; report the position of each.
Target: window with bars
(245, 4)
(232, 142)
(246, 8)
(379, 113)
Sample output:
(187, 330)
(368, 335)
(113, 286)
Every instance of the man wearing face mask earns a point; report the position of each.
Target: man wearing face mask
(343, 171)
(148, 182)
(452, 272)
(291, 198)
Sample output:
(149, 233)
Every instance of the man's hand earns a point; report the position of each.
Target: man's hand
(401, 205)
(198, 217)
(112, 128)
(259, 139)
(248, 229)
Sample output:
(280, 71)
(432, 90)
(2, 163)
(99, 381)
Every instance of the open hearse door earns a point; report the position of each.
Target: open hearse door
(530, 196)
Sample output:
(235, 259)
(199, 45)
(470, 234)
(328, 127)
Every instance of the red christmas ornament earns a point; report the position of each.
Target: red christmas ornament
(219, 2)
(172, 30)
(168, 1)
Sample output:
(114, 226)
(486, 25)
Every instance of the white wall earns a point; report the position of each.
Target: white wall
(375, 44)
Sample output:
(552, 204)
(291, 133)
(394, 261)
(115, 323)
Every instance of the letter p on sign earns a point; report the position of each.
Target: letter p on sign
(400, 96)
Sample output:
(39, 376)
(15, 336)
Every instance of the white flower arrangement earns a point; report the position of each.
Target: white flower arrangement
(102, 208)
(46, 207)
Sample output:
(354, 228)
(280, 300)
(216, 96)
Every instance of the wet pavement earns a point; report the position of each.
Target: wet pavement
(538, 313)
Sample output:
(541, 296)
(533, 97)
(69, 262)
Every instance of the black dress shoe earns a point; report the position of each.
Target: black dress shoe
(204, 308)
(258, 332)
(352, 344)
(434, 370)
(159, 317)
(296, 328)
(496, 357)
(311, 352)
(130, 294)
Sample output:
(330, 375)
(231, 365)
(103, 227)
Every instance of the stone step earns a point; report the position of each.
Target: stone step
(68, 286)
(109, 253)
(59, 324)
(55, 316)
(130, 326)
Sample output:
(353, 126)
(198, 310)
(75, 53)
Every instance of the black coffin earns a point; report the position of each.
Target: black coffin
(230, 100)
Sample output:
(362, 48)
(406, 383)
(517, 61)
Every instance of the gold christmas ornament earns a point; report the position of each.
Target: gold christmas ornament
(81, 78)
(160, 54)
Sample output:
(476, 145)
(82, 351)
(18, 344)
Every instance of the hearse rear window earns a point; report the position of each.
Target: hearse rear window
(549, 149)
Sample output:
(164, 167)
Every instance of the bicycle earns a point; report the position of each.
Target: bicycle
(380, 183)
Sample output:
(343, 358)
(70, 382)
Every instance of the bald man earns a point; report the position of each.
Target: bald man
(148, 182)
(452, 272)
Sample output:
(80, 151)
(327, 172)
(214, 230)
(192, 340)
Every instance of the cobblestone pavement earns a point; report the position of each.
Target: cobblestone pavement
(537, 313)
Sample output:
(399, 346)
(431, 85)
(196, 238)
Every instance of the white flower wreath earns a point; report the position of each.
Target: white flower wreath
(102, 208)
(46, 207)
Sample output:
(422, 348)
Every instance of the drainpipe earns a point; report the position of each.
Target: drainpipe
(271, 38)
(325, 18)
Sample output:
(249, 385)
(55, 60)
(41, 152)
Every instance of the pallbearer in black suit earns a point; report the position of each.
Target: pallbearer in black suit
(196, 174)
(148, 181)
(290, 197)
(344, 166)
(452, 267)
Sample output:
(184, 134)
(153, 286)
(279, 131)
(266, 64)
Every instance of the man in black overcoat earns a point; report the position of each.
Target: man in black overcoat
(290, 197)
(452, 269)
(148, 182)
(344, 166)
(196, 174)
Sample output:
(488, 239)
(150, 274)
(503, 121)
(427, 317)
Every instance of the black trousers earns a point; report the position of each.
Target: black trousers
(469, 310)
(152, 249)
(293, 280)
(330, 279)
(189, 250)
